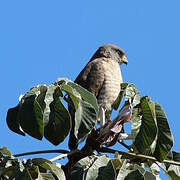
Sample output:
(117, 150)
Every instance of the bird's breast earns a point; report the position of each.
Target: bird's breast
(111, 86)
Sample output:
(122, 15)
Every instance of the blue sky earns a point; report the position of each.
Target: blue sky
(43, 40)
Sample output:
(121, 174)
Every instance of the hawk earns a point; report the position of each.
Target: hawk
(102, 77)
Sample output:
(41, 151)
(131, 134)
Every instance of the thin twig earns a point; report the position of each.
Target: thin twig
(129, 154)
(160, 166)
(63, 156)
(42, 152)
(125, 145)
(58, 157)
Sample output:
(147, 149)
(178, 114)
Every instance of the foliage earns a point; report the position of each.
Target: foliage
(42, 112)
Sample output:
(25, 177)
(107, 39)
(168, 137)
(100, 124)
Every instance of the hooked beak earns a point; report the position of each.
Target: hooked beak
(124, 59)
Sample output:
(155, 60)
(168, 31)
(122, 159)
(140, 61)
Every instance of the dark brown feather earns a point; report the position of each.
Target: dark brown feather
(92, 76)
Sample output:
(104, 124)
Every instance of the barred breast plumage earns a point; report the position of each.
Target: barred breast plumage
(111, 85)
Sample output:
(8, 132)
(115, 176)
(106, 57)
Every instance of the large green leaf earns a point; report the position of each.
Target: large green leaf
(85, 94)
(85, 119)
(134, 175)
(109, 172)
(31, 114)
(164, 139)
(78, 170)
(48, 165)
(57, 119)
(85, 113)
(124, 169)
(12, 120)
(148, 129)
(133, 171)
(136, 122)
(48, 99)
(100, 168)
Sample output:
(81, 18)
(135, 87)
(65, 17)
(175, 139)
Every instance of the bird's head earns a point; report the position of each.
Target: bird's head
(111, 51)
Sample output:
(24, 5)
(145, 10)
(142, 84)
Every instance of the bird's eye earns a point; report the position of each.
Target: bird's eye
(119, 52)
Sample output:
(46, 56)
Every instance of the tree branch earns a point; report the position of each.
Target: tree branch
(103, 150)
(42, 152)
(127, 155)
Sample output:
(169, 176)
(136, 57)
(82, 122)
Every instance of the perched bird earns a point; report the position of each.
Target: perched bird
(102, 77)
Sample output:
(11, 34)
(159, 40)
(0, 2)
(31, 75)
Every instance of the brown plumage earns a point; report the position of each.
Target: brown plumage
(102, 77)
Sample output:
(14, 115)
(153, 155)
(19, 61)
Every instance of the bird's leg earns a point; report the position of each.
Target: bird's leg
(102, 117)
(108, 120)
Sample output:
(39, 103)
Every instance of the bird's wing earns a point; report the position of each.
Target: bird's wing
(92, 76)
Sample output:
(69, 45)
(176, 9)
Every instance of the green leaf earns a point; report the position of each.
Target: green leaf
(174, 172)
(109, 172)
(165, 138)
(48, 165)
(149, 176)
(5, 151)
(132, 95)
(27, 116)
(136, 122)
(117, 161)
(78, 170)
(148, 129)
(46, 176)
(31, 114)
(97, 168)
(85, 113)
(12, 120)
(73, 94)
(85, 120)
(48, 99)
(128, 171)
(32, 170)
(25, 175)
(155, 169)
(85, 94)
(134, 175)
(57, 118)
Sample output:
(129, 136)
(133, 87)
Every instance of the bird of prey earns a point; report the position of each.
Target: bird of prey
(102, 77)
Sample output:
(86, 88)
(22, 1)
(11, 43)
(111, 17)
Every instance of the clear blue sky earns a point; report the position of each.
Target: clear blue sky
(43, 40)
